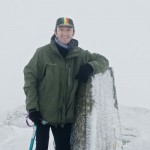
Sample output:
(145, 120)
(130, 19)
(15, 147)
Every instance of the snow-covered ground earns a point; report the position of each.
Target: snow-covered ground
(135, 122)
(14, 133)
(135, 128)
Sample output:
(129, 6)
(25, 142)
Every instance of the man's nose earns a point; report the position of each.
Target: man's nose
(64, 32)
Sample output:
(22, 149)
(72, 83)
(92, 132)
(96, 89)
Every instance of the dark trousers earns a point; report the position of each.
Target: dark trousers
(61, 136)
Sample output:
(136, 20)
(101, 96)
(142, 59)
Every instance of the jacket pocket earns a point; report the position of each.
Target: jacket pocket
(51, 78)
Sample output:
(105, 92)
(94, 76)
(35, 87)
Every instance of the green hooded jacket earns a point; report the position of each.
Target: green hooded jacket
(50, 83)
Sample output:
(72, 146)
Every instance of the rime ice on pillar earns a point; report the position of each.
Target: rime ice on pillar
(97, 124)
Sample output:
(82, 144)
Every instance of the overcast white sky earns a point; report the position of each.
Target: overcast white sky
(119, 30)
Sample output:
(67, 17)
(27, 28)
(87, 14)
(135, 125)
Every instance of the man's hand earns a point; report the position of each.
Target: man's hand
(35, 117)
(84, 73)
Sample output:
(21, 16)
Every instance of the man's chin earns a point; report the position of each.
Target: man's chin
(65, 42)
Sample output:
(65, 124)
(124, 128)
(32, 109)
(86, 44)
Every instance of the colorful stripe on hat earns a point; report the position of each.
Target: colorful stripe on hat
(65, 21)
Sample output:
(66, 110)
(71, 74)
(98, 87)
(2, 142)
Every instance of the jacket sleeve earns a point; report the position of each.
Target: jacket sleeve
(97, 61)
(32, 74)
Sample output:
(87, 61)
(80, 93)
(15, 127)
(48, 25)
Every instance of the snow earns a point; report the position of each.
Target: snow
(16, 138)
(97, 123)
(14, 133)
(135, 129)
(106, 127)
(104, 120)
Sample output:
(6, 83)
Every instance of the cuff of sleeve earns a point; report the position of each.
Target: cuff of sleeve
(32, 110)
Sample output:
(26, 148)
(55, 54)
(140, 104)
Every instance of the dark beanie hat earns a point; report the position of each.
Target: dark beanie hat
(64, 22)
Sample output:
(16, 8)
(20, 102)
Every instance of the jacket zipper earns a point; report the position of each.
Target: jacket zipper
(59, 120)
(69, 74)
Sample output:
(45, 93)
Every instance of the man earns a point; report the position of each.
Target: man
(51, 81)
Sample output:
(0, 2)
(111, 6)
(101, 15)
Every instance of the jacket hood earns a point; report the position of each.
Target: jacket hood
(72, 44)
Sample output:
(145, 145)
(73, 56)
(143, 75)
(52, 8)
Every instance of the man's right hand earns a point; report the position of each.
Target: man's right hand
(35, 116)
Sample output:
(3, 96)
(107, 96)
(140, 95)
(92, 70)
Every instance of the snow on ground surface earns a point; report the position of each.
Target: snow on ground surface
(14, 133)
(135, 128)
(135, 122)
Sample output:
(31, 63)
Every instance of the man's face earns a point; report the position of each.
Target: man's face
(64, 34)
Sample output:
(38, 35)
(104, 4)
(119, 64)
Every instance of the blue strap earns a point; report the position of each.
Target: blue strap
(33, 137)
